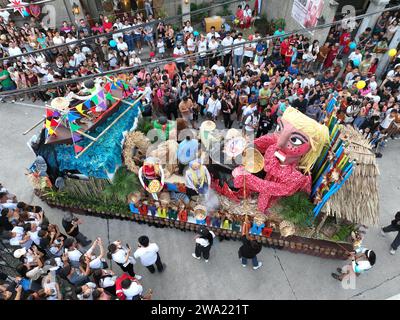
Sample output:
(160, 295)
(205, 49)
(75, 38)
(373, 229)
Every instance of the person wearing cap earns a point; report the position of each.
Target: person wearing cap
(360, 263)
(393, 227)
(71, 227)
(204, 242)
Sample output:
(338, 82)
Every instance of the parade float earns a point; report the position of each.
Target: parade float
(299, 188)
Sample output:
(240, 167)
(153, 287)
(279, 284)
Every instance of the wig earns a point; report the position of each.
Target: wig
(318, 135)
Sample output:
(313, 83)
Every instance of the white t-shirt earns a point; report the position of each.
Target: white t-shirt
(180, 51)
(58, 40)
(5, 15)
(191, 45)
(108, 281)
(148, 256)
(354, 56)
(210, 35)
(226, 42)
(122, 46)
(308, 83)
(220, 69)
(188, 29)
(119, 257)
(238, 51)
(213, 106)
(251, 121)
(213, 45)
(18, 237)
(74, 255)
(204, 242)
(34, 236)
(249, 53)
(134, 290)
(202, 47)
(14, 51)
(96, 263)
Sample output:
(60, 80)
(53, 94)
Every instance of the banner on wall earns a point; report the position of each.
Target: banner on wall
(307, 12)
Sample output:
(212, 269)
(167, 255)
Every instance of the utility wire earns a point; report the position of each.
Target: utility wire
(167, 60)
(105, 35)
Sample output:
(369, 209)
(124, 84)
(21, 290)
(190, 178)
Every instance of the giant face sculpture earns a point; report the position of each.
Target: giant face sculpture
(292, 143)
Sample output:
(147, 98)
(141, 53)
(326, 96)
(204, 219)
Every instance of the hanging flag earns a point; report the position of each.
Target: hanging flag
(103, 105)
(48, 124)
(72, 117)
(56, 114)
(107, 87)
(76, 137)
(49, 113)
(78, 149)
(113, 86)
(93, 110)
(52, 132)
(101, 95)
(110, 97)
(88, 104)
(95, 100)
(74, 127)
(79, 108)
(53, 123)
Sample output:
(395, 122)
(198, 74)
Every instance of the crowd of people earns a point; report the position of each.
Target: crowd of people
(219, 74)
(54, 264)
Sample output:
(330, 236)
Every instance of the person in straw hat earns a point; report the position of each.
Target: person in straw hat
(289, 155)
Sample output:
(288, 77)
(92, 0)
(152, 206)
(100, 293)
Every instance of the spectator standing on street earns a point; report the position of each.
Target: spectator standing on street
(121, 256)
(249, 250)
(148, 254)
(204, 242)
(71, 227)
(393, 227)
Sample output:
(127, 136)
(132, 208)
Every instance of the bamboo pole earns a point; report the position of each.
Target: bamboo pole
(86, 135)
(110, 126)
(33, 127)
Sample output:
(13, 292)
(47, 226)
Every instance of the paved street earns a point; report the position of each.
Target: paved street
(284, 275)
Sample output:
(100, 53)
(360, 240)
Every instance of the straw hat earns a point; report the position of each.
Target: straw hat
(253, 160)
(60, 103)
(200, 209)
(233, 133)
(287, 228)
(208, 126)
(134, 197)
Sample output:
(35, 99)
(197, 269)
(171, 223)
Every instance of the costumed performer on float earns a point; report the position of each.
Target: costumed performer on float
(197, 179)
(151, 176)
(289, 155)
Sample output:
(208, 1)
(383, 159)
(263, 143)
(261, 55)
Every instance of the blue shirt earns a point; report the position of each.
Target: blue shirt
(255, 229)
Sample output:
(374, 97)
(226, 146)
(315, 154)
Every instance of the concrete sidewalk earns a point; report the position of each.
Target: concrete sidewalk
(284, 275)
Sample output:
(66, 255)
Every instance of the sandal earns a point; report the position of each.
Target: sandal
(335, 276)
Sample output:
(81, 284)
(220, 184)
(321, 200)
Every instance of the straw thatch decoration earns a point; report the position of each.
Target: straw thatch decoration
(357, 201)
(138, 140)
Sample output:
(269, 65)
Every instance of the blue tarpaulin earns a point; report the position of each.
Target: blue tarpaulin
(105, 155)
